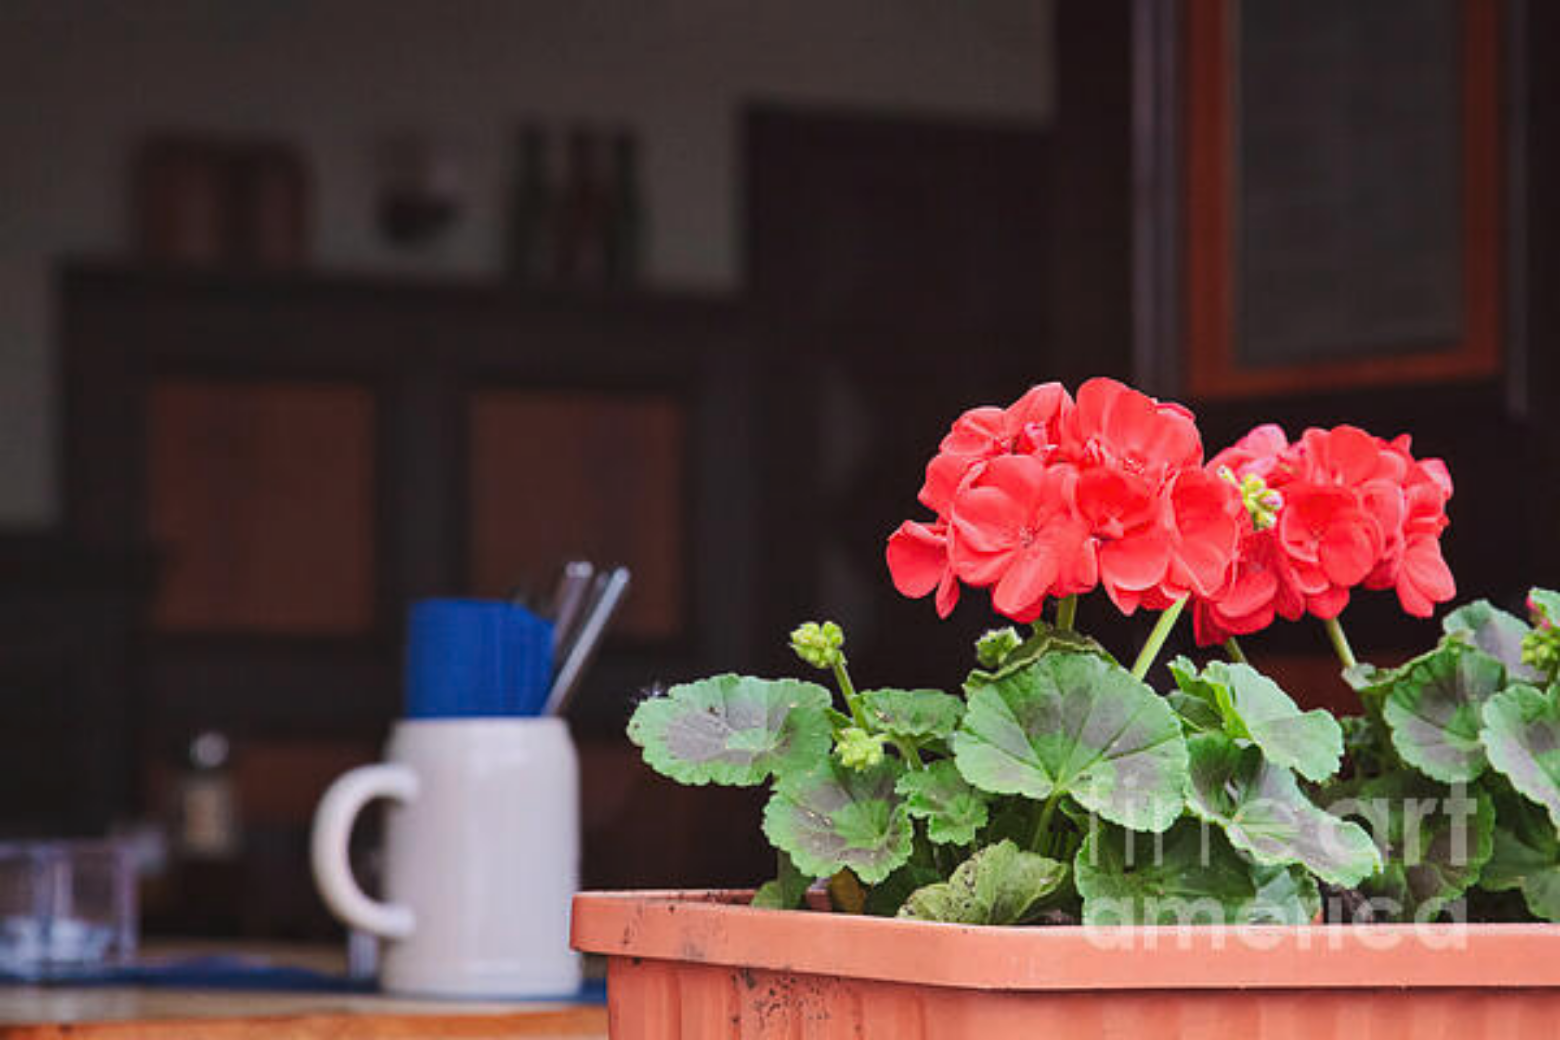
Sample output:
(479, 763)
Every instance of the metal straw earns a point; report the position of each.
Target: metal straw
(606, 597)
(568, 604)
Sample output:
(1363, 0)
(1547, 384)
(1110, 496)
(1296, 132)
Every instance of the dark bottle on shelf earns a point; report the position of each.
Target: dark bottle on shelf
(626, 226)
(206, 883)
(529, 250)
(580, 251)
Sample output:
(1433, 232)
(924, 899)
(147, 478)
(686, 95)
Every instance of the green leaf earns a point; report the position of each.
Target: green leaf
(913, 714)
(832, 818)
(1432, 709)
(1264, 813)
(1363, 744)
(1254, 708)
(1188, 875)
(888, 895)
(1000, 884)
(1047, 639)
(1526, 855)
(952, 809)
(1488, 628)
(1194, 701)
(732, 729)
(1434, 841)
(1522, 736)
(787, 891)
(1076, 724)
(1545, 605)
(1285, 895)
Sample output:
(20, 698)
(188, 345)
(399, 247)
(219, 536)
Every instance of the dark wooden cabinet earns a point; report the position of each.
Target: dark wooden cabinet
(299, 458)
(69, 621)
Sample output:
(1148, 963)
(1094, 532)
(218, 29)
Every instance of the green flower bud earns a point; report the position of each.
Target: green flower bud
(994, 647)
(1262, 502)
(859, 749)
(1541, 650)
(819, 645)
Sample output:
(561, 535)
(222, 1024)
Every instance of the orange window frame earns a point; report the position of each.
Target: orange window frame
(1213, 367)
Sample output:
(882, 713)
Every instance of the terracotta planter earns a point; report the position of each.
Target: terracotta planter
(696, 965)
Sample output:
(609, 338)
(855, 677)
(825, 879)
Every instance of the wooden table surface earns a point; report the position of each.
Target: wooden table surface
(130, 1013)
(123, 1014)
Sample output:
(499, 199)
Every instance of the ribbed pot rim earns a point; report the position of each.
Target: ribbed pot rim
(714, 927)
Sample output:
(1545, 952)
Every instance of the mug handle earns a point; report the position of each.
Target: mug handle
(328, 848)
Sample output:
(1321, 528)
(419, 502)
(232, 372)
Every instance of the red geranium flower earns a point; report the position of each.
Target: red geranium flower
(1048, 498)
(1338, 509)
(1018, 531)
(1029, 426)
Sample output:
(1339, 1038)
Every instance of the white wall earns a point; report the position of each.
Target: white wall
(81, 80)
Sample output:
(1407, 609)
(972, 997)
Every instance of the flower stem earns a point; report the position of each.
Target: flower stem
(1156, 639)
(1066, 611)
(1038, 840)
(848, 690)
(1236, 654)
(1340, 642)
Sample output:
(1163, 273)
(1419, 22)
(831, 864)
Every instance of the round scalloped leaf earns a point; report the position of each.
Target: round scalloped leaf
(1522, 736)
(1526, 856)
(832, 818)
(1488, 628)
(1434, 841)
(733, 729)
(916, 714)
(1264, 813)
(1076, 724)
(1253, 707)
(952, 809)
(1432, 707)
(1188, 875)
(1000, 884)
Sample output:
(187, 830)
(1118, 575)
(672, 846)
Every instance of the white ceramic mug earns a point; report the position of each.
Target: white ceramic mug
(481, 856)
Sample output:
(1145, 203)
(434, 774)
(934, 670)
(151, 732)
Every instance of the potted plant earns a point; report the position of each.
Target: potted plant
(1060, 849)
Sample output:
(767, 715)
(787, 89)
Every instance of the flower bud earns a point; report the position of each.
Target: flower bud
(1541, 650)
(994, 647)
(859, 749)
(819, 645)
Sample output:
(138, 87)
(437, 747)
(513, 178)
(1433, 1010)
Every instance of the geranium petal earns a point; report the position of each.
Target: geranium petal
(1137, 561)
(1026, 583)
(917, 557)
(1328, 604)
(977, 432)
(987, 519)
(1348, 550)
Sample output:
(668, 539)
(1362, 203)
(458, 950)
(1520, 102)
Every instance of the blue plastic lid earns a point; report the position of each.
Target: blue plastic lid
(470, 658)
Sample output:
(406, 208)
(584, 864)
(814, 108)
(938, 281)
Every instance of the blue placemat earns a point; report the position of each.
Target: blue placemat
(231, 972)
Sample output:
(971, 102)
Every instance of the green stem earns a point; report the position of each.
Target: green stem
(1066, 611)
(852, 701)
(1340, 642)
(1037, 841)
(908, 752)
(1236, 654)
(1156, 639)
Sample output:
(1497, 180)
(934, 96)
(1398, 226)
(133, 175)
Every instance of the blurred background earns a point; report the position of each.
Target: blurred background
(308, 310)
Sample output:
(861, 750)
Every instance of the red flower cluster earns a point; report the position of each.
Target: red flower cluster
(1052, 497)
(1336, 509)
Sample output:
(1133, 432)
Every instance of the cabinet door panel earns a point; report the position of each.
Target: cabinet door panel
(561, 475)
(262, 503)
